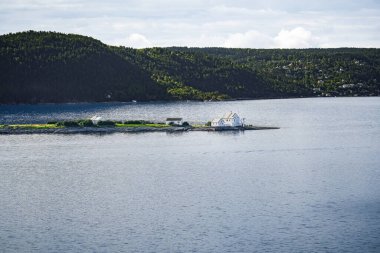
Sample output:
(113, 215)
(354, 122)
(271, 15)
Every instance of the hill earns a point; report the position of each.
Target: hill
(38, 67)
(54, 67)
(310, 72)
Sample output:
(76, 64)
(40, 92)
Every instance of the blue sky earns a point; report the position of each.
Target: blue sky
(235, 23)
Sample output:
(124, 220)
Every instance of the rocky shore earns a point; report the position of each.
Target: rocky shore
(109, 130)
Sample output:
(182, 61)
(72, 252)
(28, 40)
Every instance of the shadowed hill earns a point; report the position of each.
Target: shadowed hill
(54, 67)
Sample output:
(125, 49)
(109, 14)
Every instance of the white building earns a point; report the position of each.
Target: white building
(174, 121)
(217, 122)
(229, 119)
(95, 119)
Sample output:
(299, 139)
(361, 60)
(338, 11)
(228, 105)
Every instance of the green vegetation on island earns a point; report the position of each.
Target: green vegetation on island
(31, 126)
(42, 67)
(110, 126)
(88, 123)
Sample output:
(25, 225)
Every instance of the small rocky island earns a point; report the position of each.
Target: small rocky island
(229, 122)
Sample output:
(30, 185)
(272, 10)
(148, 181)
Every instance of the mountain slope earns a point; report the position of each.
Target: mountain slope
(308, 72)
(38, 67)
(54, 67)
(213, 77)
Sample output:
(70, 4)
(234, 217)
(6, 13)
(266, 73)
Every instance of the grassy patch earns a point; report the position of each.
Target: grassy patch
(82, 123)
(157, 125)
(33, 126)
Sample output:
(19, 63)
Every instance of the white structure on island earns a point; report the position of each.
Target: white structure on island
(174, 121)
(95, 119)
(229, 119)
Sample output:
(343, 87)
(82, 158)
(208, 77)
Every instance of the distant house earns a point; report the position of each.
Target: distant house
(217, 122)
(229, 119)
(174, 121)
(95, 119)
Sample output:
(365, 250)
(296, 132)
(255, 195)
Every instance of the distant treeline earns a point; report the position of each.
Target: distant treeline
(38, 67)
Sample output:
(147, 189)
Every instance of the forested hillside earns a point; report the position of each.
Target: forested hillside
(189, 75)
(53, 67)
(336, 72)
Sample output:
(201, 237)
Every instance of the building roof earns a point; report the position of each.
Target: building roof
(229, 115)
(96, 118)
(173, 119)
(216, 120)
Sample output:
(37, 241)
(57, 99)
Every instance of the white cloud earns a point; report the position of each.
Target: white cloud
(238, 23)
(243, 11)
(250, 39)
(135, 40)
(295, 38)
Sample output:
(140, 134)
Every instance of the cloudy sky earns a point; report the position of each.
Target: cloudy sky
(203, 23)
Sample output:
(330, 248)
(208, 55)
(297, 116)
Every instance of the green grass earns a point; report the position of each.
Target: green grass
(32, 126)
(142, 125)
(53, 126)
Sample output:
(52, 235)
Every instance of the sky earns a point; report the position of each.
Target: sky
(203, 23)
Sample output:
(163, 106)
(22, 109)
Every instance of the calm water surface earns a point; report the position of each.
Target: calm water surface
(311, 186)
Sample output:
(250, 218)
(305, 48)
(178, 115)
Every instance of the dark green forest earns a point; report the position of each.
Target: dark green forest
(44, 67)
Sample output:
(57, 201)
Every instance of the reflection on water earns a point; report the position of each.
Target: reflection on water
(227, 133)
(310, 186)
(174, 133)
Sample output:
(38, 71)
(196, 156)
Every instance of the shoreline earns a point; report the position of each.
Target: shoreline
(110, 130)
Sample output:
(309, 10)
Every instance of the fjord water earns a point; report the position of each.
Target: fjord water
(311, 186)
